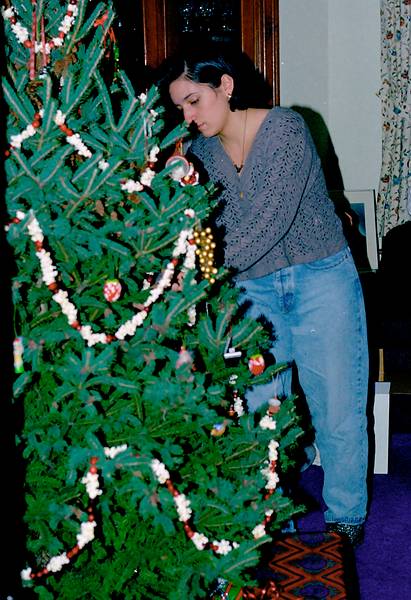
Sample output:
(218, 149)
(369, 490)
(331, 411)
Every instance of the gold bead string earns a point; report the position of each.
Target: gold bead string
(204, 240)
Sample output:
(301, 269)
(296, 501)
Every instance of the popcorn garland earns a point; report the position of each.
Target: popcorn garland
(71, 138)
(31, 129)
(23, 36)
(86, 535)
(184, 246)
(183, 508)
(74, 139)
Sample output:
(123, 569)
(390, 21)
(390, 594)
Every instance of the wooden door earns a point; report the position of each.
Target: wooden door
(162, 24)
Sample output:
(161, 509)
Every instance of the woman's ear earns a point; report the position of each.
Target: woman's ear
(227, 84)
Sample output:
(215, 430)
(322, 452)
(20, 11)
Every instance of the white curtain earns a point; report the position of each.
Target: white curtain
(394, 197)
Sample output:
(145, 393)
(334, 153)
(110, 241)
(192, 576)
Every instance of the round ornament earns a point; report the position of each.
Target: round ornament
(219, 429)
(256, 364)
(180, 167)
(112, 290)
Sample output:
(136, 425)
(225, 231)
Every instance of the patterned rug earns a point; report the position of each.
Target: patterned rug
(310, 566)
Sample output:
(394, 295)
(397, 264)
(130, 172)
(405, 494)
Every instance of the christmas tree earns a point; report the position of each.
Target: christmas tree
(144, 474)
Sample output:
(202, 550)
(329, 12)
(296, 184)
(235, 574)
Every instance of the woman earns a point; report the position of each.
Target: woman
(290, 257)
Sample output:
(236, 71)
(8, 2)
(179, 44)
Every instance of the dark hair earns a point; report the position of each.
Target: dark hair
(207, 65)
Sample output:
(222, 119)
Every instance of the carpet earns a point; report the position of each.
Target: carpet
(310, 566)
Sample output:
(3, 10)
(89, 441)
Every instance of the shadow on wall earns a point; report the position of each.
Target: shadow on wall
(334, 181)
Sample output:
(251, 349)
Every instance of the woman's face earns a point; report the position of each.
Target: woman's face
(201, 104)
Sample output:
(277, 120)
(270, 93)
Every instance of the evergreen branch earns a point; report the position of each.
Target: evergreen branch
(183, 304)
(50, 173)
(89, 164)
(111, 245)
(244, 341)
(107, 173)
(19, 158)
(253, 548)
(174, 207)
(84, 196)
(66, 185)
(83, 30)
(148, 204)
(102, 180)
(19, 78)
(128, 111)
(241, 563)
(49, 108)
(95, 55)
(246, 450)
(139, 131)
(127, 84)
(153, 249)
(222, 325)
(105, 99)
(176, 134)
(15, 103)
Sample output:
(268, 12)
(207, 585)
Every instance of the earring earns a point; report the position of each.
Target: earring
(229, 97)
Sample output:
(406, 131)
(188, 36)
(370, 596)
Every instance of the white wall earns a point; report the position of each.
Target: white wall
(330, 63)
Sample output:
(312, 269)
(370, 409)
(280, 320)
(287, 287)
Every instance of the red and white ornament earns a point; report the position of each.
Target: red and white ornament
(274, 405)
(112, 290)
(256, 364)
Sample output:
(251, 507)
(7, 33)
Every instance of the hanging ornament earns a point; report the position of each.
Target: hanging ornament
(179, 165)
(230, 351)
(256, 364)
(192, 177)
(184, 358)
(112, 290)
(218, 429)
(204, 241)
(18, 355)
(274, 406)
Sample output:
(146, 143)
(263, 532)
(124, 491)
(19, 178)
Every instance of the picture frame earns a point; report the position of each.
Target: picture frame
(361, 210)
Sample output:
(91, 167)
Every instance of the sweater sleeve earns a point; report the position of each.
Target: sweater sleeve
(281, 164)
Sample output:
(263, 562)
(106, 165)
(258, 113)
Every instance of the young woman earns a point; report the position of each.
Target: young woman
(290, 257)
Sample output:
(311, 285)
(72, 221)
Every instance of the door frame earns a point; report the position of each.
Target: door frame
(259, 36)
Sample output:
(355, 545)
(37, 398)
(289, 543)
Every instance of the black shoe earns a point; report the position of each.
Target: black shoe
(310, 455)
(354, 533)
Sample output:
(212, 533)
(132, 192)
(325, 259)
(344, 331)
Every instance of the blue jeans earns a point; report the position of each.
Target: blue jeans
(317, 311)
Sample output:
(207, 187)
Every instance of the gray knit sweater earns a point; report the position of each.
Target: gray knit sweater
(277, 212)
